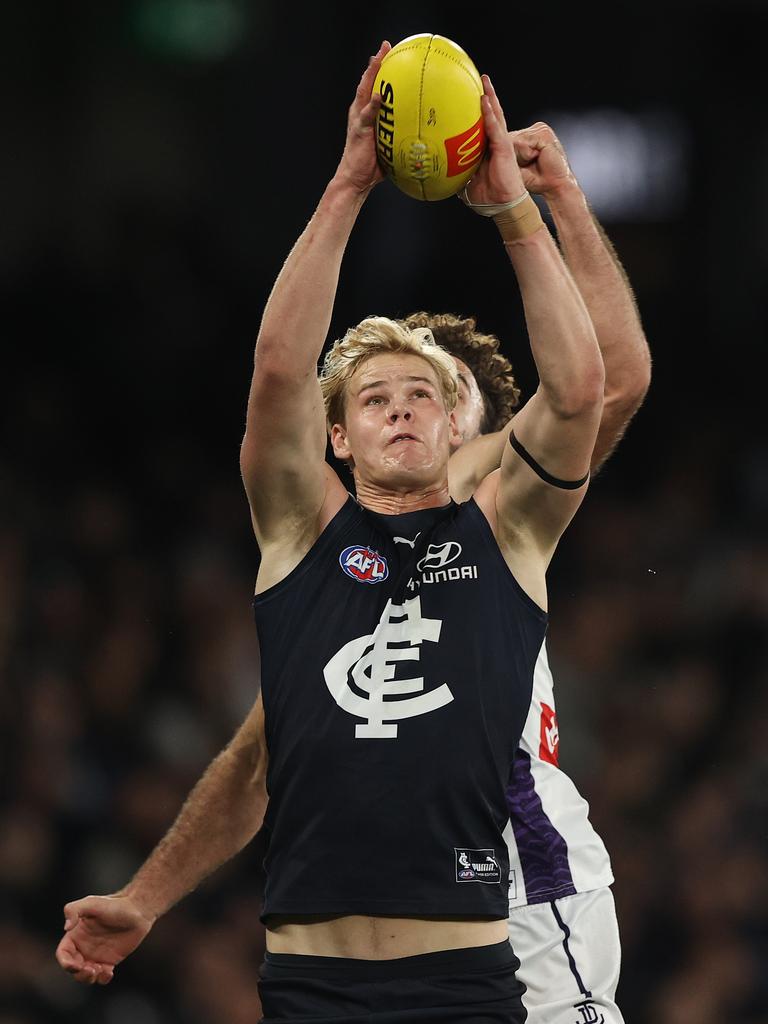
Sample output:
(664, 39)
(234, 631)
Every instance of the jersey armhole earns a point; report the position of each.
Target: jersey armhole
(490, 540)
(339, 524)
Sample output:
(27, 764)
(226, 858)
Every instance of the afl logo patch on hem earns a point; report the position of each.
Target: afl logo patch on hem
(363, 564)
(476, 865)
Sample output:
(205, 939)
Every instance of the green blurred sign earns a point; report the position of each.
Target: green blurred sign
(199, 30)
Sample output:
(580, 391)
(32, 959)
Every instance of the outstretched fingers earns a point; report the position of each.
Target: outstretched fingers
(365, 88)
(491, 105)
(366, 104)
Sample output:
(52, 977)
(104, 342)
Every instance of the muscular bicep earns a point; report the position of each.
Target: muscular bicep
(617, 415)
(472, 463)
(544, 475)
(282, 457)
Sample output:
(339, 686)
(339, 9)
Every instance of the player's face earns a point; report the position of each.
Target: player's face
(398, 432)
(470, 407)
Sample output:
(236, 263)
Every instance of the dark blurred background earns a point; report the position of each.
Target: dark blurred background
(159, 158)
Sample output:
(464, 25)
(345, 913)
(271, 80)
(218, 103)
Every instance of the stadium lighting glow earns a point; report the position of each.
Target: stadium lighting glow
(632, 166)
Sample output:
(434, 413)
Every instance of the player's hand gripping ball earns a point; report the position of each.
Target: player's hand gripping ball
(430, 135)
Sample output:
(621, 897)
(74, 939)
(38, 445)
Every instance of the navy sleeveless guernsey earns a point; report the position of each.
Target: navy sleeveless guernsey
(397, 666)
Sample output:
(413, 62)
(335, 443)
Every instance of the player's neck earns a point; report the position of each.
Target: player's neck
(394, 503)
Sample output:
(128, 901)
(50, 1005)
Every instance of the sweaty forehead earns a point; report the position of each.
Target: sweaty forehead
(392, 367)
(464, 372)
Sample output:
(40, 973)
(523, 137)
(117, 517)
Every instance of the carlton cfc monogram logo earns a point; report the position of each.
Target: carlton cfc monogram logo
(362, 676)
(363, 564)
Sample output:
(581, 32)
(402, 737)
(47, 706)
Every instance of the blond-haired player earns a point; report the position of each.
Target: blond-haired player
(398, 636)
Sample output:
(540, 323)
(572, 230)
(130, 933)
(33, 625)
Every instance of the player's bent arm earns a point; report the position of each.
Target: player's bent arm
(222, 813)
(611, 304)
(282, 455)
(555, 431)
(560, 421)
(533, 504)
(472, 463)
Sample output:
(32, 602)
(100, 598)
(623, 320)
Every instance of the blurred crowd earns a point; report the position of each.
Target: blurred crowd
(143, 224)
(128, 657)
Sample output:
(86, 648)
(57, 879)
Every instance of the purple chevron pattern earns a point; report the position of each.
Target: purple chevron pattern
(543, 851)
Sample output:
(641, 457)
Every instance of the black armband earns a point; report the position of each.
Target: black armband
(568, 485)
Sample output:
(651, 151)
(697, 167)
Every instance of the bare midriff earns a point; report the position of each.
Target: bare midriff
(378, 938)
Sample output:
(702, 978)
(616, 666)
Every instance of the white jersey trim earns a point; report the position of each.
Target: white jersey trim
(561, 804)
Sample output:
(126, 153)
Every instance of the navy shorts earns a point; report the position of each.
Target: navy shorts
(454, 986)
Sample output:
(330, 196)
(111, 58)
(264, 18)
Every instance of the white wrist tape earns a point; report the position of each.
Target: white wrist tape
(491, 209)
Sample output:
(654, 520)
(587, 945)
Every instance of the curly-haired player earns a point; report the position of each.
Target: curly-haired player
(562, 921)
(488, 391)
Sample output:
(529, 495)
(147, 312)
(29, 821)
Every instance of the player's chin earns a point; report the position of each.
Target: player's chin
(409, 455)
(409, 469)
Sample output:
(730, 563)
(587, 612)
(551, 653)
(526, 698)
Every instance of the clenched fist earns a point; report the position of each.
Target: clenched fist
(542, 160)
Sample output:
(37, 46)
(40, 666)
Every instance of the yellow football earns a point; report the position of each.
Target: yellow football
(430, 135)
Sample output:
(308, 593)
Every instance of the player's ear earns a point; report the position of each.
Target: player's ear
(340, 442)
(454, 436)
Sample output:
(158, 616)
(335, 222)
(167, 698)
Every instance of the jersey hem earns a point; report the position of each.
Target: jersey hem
(385, 909)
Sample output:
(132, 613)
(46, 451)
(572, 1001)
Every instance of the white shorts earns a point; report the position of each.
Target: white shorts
(570, 957)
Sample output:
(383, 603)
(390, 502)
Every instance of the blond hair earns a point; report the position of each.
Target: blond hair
(374, 336)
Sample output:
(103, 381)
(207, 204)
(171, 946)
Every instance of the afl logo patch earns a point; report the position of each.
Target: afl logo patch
(363, 564)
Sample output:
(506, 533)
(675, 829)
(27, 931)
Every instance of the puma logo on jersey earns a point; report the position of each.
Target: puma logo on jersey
(404, 540)
(363, 676)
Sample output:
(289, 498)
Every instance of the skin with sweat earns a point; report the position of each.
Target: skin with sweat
(470, 406)
(397, 433)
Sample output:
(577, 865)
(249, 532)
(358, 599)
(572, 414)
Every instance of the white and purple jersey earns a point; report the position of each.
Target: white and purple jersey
(553, 849)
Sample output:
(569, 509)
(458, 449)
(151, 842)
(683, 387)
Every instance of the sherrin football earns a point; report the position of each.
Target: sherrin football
(430, 135)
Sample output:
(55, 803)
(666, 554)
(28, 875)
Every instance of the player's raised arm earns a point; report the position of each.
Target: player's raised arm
(545, 470)
(222, 813)
(607, 294)
(282, 455)
(600, 277)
